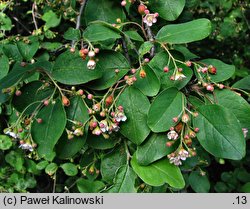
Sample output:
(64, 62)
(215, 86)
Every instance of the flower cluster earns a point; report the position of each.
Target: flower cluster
(178, 156)
(85, 52)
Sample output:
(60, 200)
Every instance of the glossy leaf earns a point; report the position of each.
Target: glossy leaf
(99, 32)
(69, 169)
(167, 9)
(87, 186)
(72, 34)
(5, 142)
(99, 142)
(51, 19)
(77, 111)
(108, 62)
(199, 183)
(51, 168)
(124, 181)
(243, 83)
(150, 85)
(104, 10)
(71, 69)
(181, 33)
(159, 173)
(47, 133)
(221, 133)
(111, 162)
(133, 35)
(136, 106)
(153, 149)
(224, 71)
(145, 48)
(167, 105)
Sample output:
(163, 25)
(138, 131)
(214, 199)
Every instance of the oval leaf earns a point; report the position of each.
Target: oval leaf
(28, 50)
(221, 134)
(167, 9)
(70, 169)
(5, 142)
(153, 149)
(199, 183)
(167, 105)
(124, 181)
(185, 32)
(47, 133)
(159, 173)
(71, 69)
(243, 83)
(136, 106)
(87, 186)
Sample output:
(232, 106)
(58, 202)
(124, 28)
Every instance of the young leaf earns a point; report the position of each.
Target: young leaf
(72, 34)
(5, 142)
(145, 48)
(167, 105)
(167, 9)
(136, 106)
(224, 71)
(153, 149)
(70, 69)
(47, 133)
(221, 134)
(124, 181)
(70, 169)
(159, 173)
(51, 19)
(28, 50)
(77, 111)
(111, 162)
(51, 168)
(181, 33)
(87, 186)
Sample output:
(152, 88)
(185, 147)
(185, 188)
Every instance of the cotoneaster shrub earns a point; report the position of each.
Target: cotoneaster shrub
(105, 96)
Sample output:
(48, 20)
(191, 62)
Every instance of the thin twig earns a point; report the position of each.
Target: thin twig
(33, 14)
(151, 38)
(78, 19)
(19, 22)
(125, 49)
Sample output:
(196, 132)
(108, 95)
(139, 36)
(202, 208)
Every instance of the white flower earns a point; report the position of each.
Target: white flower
(26, 147)
(104, 126)
(78, 132)
(179, 76)
(183, 154)
(115, 127)
(245, 131)
(12, 134)
(175, 160)
(97, 131)
(91, 64)
(149, 19)
(172, 135)
(120, 116)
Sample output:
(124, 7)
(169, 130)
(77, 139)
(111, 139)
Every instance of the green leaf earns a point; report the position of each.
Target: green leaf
(224, 71)
(111, 162)
(99, 142)
(72, 34)
(221, 134)
(70, 169)
(150, 85)
(47, 133)
(133, 35)
(51, 168)
(160, 61)
(28, 50)
(243, 83)
(108, 62)
(167, 105)
(99, 32)
(199, 183)
(77, 111)
(4, 63)
(5, 142)
(87, 186)
(185, 32)
(42, 165)
(245, 188)
(236, 105)
(32, 96)
(70, 69)
(5, 21)
(153, 149)
(11, 51)
(104, 10)
(51, 19)
(136, 106)
(15, 159)
(124, 181)
(159, 173)
(51, 46)
(167, 9)
(145, 48)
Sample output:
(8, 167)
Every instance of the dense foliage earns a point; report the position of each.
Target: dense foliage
(124, 96)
